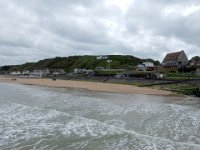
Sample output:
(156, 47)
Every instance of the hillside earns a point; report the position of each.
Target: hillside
(86, 62)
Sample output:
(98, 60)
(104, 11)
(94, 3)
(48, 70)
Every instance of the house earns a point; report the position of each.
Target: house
(37, 73)
(195, 64)
(15, 73)
(46, 72)
(40, 73)
(198, 71)
(56, 72)
(59, 72)
(149, 66)
(146, 66)
(140, 67)
(101, 57)
(195, 61)
(25, 72)
(85, 71)
(175, 60)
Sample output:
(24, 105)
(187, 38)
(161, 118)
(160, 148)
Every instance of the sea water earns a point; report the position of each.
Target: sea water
(43, 118)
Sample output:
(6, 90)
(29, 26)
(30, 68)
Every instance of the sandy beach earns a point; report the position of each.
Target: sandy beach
(93, 86)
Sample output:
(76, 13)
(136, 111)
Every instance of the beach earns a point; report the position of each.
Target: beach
(93, 86)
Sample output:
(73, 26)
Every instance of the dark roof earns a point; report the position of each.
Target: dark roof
(172, 56)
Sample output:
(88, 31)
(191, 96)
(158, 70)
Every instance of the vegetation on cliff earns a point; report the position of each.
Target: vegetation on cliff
(86, 62)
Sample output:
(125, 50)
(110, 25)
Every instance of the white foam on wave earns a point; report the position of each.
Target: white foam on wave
(174, 122)
(63, 114)
(23, 123)
(20, 123)
(117, 123)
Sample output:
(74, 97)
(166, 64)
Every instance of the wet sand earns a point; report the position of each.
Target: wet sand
(93, 86)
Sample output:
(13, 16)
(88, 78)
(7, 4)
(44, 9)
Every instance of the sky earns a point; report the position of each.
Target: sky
(31, 30)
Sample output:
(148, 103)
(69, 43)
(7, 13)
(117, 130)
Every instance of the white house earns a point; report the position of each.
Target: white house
(77, 70)
(46, 72)
(37, 73)
(141, 67)
(25, 72)
(101, 57)
(15, 73)
(148, 64)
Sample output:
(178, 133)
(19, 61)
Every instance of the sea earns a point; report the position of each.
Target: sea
(44, 118)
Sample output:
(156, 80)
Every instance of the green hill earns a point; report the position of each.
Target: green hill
(83, 62)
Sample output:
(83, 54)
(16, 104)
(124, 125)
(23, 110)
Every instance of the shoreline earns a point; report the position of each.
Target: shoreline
(91, 86)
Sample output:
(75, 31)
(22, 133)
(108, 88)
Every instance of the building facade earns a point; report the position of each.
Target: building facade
(175, 60)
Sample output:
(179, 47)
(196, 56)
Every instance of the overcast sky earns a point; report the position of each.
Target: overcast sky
(31, 30)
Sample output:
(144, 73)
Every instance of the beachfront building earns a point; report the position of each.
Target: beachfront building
(140, 67)
(195, 62)
(198, 71)
(37, 73)
(15, 73)
(146, 66)
(82, 71)
(26, 73)
(46, 72)
(174, 61)
(149, 66)
(101, 57)
(57, 72)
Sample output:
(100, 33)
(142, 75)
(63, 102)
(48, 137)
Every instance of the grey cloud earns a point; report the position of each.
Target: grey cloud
(34, 30)
(149, 17)
(82, 32)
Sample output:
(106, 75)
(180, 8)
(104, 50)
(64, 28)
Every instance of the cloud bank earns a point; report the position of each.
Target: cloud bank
(34, 30)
